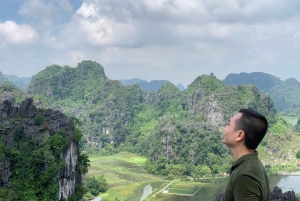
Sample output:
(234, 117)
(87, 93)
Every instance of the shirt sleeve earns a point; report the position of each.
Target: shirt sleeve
(246, 188)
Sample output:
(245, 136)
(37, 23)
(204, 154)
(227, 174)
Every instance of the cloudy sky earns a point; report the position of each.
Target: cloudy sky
(176, 40)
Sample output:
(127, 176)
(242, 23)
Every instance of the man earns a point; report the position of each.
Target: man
(248, 179)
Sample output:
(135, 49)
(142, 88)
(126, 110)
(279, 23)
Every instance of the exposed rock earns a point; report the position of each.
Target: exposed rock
(54, 122)
(219, 197)
(275, 195)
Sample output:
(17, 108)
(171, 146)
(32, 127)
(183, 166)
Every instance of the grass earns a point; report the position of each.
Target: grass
(124, 173)
(184, 187)
(206, 192)
(122, 156)
(290, 120)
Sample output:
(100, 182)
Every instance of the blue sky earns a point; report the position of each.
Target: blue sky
(176, 40)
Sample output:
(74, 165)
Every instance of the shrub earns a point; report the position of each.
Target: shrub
(39, 119)
(58, 143)
(96, 185)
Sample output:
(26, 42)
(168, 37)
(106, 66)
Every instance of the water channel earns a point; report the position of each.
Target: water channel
(210, 190)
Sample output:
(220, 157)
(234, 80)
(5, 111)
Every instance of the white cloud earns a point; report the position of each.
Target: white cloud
(91, 25)
(14, 33)
(175, 39)
(88, 10)
(205, 36)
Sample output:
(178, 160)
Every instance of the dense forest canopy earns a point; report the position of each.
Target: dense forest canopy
(169, 126)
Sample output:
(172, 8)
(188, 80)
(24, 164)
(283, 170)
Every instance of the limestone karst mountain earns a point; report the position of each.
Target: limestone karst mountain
(39, 154)
(20, 82)
(285, 94)
(153, 85)
(170, 126)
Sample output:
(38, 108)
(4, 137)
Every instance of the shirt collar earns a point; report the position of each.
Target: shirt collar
(242, 159)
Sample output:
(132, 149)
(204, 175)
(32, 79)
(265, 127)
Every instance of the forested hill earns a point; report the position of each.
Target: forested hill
(285, 94)
(170, 127)
(39, 151)
(105, 107)
(153, 85)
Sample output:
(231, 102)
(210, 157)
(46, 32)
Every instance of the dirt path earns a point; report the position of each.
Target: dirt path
(161, 190)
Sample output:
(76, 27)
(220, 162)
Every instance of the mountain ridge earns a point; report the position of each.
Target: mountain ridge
(285, 94)
(153, 85)
(127, 118)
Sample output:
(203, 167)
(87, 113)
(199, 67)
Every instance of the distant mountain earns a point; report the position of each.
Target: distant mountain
(263, 81)
(153, 85)
(1, 77)
(285, 94)
(21, 82)
(180, 87)
(4, 80)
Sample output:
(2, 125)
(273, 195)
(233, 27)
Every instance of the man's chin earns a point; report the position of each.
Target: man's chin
(224, 141)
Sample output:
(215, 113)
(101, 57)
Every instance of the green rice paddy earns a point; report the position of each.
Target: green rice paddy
(184, 187)
(290, 120)
(124, 173)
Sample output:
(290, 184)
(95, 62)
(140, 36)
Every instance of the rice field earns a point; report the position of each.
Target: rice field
(291, 120)
(125, 174)
(127, 177)
(206, 191)
(184, 187)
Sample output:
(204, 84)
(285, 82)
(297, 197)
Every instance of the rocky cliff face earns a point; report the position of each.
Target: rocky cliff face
(35, 124)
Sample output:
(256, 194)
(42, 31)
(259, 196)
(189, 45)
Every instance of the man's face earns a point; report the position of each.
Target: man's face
(230, 134)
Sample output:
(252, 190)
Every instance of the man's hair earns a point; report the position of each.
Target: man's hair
(254, 126)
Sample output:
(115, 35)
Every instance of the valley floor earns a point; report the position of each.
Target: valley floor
(125, 175)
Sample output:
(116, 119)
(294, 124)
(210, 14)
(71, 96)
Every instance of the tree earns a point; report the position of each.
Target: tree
(96, 185)
(176, 171)
(102, 183)
(298, 154)
(200, 171)
(161, 165)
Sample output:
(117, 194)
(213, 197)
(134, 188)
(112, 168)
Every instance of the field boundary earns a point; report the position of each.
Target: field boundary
(161, 190)
(183, 194)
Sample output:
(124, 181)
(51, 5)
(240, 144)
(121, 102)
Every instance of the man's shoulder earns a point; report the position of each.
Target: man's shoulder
(250, 167)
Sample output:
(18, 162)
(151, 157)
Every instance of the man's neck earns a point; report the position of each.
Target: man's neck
(239, 152)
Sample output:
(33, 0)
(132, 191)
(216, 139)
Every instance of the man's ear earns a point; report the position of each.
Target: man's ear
(240, 136)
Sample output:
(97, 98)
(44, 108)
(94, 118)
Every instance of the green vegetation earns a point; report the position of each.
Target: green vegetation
(280, 128)
(125, 174)
(35, 160)
(39, 119)
(184, 187)
(179, 133)
(7, 194)
(27, 158)
(96, 185)
(11, 92)
(274, 169)
(298, 155)
(285, 94)
(291, 120)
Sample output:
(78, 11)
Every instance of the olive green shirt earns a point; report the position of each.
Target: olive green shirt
(248, 180)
